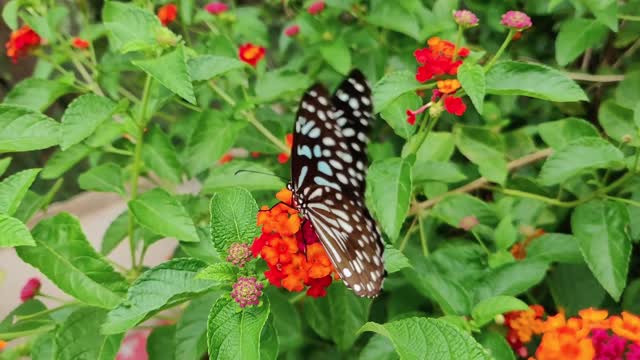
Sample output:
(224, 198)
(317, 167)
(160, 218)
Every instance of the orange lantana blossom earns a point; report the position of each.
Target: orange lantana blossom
(291, 249)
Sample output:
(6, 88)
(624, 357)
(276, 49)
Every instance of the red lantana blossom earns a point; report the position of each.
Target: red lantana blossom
(316, 8)
(292, 30)
(79, 43)
(251, 54)
(454, 105)
(438, 59)
(167, 14)
(283, 157)
(21, 42)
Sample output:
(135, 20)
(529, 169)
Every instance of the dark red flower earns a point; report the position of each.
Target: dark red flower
(318, 287)
(292, 30)
(251, 54)
(316, 8)
(216, 8)
(306, 236)
(21, 42)
(79, 43)
(454, 105)
(411, 117)
(167, 14)
(30, 289)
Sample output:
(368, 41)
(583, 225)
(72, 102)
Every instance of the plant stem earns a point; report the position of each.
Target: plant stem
(423, 237)
(477, 237)
(264, 131)
(629, 17)
(52, 298)
(594, 78)
(457, 45)
(405, 239)
(622, 200)
(222, 93)
(502, 48)
(45, 312)
(297, 298)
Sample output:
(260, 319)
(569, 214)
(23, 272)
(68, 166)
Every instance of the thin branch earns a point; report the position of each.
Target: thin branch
(482, 181)
(595, 78)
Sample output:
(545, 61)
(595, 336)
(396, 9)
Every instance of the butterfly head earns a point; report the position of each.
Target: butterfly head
(296, 200)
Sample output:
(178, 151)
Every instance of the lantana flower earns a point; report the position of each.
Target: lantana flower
(30, 289)
(516, 20)
(292, 30)
(283, 157)
(21, 42)
(80, 43)
(216, 8)
(564, 343)
(168, 14)
(465, 18)
(251, 54)
(247, 291)
(239, 254)
(316, 8)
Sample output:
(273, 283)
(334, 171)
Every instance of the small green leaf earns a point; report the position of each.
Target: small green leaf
(396, 18)
(392, 86)
(80, 334)
(617, 122)
(500, 281)
(606, 11)
(116, 232)
(453, 208)
(389, 182)
(130, 27)
(560, 248)
(106, 177)
(36, 94)
(275, 84)
(61, 161)
(286, 320)
(487, 309)
(428, 339)
(206, 67)
(576, 36)
(171, 71)
(14, 233)
(574, 288)
(580, 156)
(336, 53)
(234, 333)
(533, 80)
(505, 234)
(559, 133)
(221, 272)
(484, 148)
(4, 164)
(447, 172)
(600, 227)
(161, 287)
(497, 345)
(471, 78)
(233, 218)
(395, 114)
(22, 129)
(160, 212)
(82, 118)
(10, 13)
(191, 329)
(394, 259)
(257, 177)
(627, 91)
(11, 327)
(14, 188)
(159, 155)
(66, 257)
(161, 343)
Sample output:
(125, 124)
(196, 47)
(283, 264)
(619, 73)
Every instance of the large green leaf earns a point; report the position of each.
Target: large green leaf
(394, 259)
(628, 91)
(275, 84)
(600, 227)
(4, 164)
(618, 122)
(428, 339)
(79, 337)
(233, 333)
(36, 94)
(392, 86)
(471, 78)
(83, 116)
(22, 129)
(573, 287)
(171, 71)
(453, 208)
(14, 233)
(395, 114)
(62, 161)
(163, 286)
(485, 149)
(160, 212)
(500, 281)
(65, 256)
(286, 320)
(10, 13)
(397, 18)
(533, 80)
(14, 188)
(257, 177)
(191, 329)
(106, 178)
(115, 233)
(130, 27)
(161, 343)
(497, 345)
(160, 156)
(389, 182)
(579, 156)
(11, 327)
(487, 309)
(605, 11)
(338, 316)
(559, 133)
(446, 172)
(207, 67)
(233, 218)
(336, 53)
(576, 36)
(560, 248)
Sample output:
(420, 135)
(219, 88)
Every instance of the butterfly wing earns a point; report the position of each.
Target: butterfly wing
(329, 163)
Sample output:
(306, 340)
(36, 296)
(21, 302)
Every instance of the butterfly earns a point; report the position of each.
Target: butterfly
(328, 169)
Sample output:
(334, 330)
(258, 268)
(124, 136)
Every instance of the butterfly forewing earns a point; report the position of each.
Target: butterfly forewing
(329, 163)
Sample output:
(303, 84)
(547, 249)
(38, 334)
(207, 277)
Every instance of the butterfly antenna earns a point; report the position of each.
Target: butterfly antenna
(261, 173)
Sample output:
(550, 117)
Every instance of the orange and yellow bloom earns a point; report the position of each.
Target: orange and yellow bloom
(251, 54)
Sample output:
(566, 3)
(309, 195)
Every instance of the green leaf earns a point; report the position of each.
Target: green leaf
(497, 345)
(22, 129)
(79, 337)
(221, 272)
(234, 333)
(106, 177)
(269, 341)
(36, 94)
(336, 53)
(62, 161)
(533, 80)
(10, 13)
(606, 11)
(83, 116)
(395, 114)
(206, 67)
(286, 320)
(487, 309)
(573, 287)
(484, 148)
(11, 327)
(505, 234)
(160, 156)
(14, 188)
(631, 298)
(447, 172)
(161, 287)
(471, 78)
(160, 212)
(258, 177)
(392, 86)
(618, 122)
(394, 259)
(4, 164)
(171, 71)
(338, 316)
(453, 208)
(201, 152)
(560, 248)
(44, 347)
(600, 227)
(559, 133)
(576, 36)
(161, 343)
(274, 84)
(627, 91)
(396, 18)
(500, 281)
(580, 156)
(14, 233)
(233, 218)
(389, 182)
(191, 329)
(66, 257)
(438, 146)
(116, 232)
(428, 339)
(131, 28)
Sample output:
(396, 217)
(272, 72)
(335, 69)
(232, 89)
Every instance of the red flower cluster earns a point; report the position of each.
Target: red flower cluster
(438, 59)
(20, 42)
(283, 157)
(80, 43)
(251, 54)
(291, 249)
(167, 14)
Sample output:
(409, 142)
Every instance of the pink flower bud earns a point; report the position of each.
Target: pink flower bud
(516, 20)
(239, 254)
(30, 289)
(216, 8)
(468, 222)
(316, 8)
(292, 30)
(465, 18)
(247, 291)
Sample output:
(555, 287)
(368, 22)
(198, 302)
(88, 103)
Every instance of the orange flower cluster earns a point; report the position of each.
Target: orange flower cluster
(21, 42)
(291, 249)
(583, 337)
